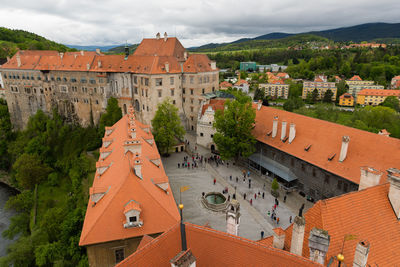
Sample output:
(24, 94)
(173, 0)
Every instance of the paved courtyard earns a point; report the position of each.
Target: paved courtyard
(254, 218)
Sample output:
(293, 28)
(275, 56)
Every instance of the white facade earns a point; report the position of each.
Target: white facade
(205, 129)
(244, 87)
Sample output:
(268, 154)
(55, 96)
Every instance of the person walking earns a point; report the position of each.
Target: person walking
(290, 219)
(215, 180)
(255, 196)
(284, 199)
(263, 195)
(230, 177)
(237, 179)
(277, 220)
(244, 196)
(229, 197)
(251, 202)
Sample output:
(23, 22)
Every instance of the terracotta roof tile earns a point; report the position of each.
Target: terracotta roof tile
(145, 240)
(346, 95)
(355, 78)
(225, 84)
(379, 92)
(365, 148)
(215, 104)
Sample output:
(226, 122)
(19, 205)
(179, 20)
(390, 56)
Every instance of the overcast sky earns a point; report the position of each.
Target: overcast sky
(194, 22)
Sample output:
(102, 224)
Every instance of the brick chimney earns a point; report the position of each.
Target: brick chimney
(394, 190)
(292, 132)
(18, 60)
(213, 65)
(99, 64)
(184, 259)
(98, 51)
(88, 66)
(185, 55)
(361, 254)
(279, 238)
(283, 132)
(343, 150)
(61, 55)
(318, 242)
(167, 67)
(165, 36)
(369, 177)
(158, 36)
(82, 53)
(299, 225)
(259, 104)
(275, 126)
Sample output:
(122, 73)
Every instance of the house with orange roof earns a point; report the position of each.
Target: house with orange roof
(225, 85)
(346, 100)
(356, 84)
(374, 97)
(276, 88)
(337, 79)
(360, 228)
(242, 85)
(188, 244)
(320, 84)
(395, 83)
(130, 196)
(319, 158)
(82, 82)
(282, 75)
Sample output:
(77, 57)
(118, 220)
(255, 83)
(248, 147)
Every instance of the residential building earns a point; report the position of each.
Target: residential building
(395, 83)
(225, 85)
(362, 226)
(366, 45)
(275, 89)
(374, 97)
(346, 100)
(322, 159)
(356, 84)
(282, 75)
(321, 85)
(192, 245)
(79, 84)
(242, 85)
(272, 67)
(130, 196)
(248, 66)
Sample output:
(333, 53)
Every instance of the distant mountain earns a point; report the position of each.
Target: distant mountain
(358, 33)
(104, 48)
(12, 40)
(121, 49)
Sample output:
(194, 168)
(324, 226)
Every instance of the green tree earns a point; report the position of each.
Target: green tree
(274, 187)
(5, 135)
(328, 96)
(314, 96)
(259, 94)
(293, 103)
(342, 88)
(112, 115)
(29, 170)
(391, 102)
(234, 124)
(167, 126)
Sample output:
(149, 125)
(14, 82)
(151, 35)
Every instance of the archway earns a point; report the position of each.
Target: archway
(212, 147)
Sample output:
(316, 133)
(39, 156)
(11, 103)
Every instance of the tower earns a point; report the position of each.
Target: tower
(233, 217)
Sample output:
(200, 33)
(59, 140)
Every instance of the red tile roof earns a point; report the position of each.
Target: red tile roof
(379, 92)
(104, 220)
(160, 47)
(355, 78)
(240, 82)
(215, 104)
(346, 95)
(325, 138)
(277, 81)
(225, 84)
(366, 215)
(212, 248)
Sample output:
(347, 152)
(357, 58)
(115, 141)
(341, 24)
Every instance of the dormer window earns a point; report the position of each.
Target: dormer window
(132, 213)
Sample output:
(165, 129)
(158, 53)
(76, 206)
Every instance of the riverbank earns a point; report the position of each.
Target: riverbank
(5, 179)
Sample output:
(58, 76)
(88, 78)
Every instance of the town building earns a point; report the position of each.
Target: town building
(275, 89)
(248, 66)
(361, 228)
(320, 158)
(321, 85)
(192, 245)
(242, 85)
(366, 45)
(130, 196)
(356, 84)
(374, 97)
(225, 85)
(79, 84)
(346, 100)
(272, 67)
(395, 83)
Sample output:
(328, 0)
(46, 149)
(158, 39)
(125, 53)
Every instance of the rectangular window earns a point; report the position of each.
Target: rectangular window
(73, 80)
(191, 91)
(183, 78)
(119, 255)
(159, 82)
(201, 134)
(183, 90)
(142, 92)
(135, 79)
(191, 118)
(191, 109)
(92, 81)
(203, 91)
(159, 93)
(63, 89)
(172, 92)
(147, 93)
(339, 184)
(191, 101)
(183, 99)
(132, 219)
(146, 81)
(141, 80)
(83, 80)
(191, 79)
(171, 80)
(135, 89)
(173, 102)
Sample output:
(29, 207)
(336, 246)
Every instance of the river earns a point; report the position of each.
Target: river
(5, 216)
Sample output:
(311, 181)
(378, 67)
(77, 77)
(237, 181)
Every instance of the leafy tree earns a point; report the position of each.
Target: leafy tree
(391, 102)
(314, 96)
(342, 88)
(295, 61)
(5, 135)
(233, 137)
(328, 96)
(167, 126)
(29, 170)
(293, 103)
(259, 94)
(274, 187)
(111, 116)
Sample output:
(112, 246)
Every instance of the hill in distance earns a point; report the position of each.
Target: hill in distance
(104, 48)
(13, 40)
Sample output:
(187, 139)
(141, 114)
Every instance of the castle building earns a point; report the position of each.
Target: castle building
(79, 84)
(130, 196)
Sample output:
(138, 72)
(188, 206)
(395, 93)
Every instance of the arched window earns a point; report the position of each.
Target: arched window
(137, 105)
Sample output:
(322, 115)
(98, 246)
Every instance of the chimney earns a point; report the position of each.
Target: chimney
(185, 55)
(158, 36)
(318, 242)
(394, 190)
(61, 55)
(82, 53)
(275, 126)
(99, 64)
(299, 225)
(279, 238)
(184, 259)
(8, 59)
(126, 51)
(18, 60)
(283, 132)
(233, 217)
(167, 67)
(259, 104)
(361, 254)
(213, 65)
(98, 51)
(343, 150)
(165, 36)
(88, 66)
(369, 177)
(292, 132)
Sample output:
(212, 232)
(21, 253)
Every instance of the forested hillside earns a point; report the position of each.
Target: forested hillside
(12, 40)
